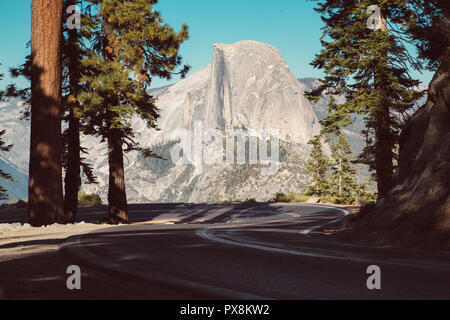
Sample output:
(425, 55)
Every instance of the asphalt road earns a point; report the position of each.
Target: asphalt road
(253, 251)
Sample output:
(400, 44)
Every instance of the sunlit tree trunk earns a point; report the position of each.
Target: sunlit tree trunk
(45, 177)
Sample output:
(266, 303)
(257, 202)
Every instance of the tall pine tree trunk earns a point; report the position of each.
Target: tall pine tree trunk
(45, 204)
(383, 138)
(72, 180)
(117, 198)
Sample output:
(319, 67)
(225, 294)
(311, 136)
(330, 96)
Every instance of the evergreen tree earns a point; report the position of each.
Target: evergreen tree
(370, 69)
(45, 195)
(365, 191)
(24, 94)
(317, 166)
(72, 51)
(73, 162)
(132, 45)
(343, 182)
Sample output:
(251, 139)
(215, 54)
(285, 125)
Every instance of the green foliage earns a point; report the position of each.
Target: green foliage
(71, 54)
(290, 197)
(134, 45)
(334, 179)
(89, 199)
(366, 193)
(317, 166)
(233, 201)
(424, 23)
(343, 186)
(370, 69)
(159, 167)
(248, 200)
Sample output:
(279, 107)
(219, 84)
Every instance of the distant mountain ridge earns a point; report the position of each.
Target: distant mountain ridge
(247, 86)
(15, 162)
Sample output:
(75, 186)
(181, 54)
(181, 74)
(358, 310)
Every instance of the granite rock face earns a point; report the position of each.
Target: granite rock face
(249, 87)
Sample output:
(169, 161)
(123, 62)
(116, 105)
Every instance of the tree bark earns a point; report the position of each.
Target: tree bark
(45, 204)
(117, 198)
(72, 180)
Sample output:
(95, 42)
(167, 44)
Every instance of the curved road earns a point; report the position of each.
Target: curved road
(253, 251)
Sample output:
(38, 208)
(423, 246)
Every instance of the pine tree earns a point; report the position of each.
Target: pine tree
(72, 52)
(45, 195)
(133, 44)
(24, 94)
(370, 69)
(73, 162)
(343, 185)
(317, 166)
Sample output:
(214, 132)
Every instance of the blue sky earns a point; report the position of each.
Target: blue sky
(292, 26)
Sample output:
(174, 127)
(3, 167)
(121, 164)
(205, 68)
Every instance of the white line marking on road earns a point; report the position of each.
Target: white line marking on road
(208, 234)
(309, 230)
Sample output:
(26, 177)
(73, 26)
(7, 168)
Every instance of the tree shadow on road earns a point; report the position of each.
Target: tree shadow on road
(43, 275)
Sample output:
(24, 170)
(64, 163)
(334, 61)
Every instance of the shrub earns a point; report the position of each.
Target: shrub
(239, 200)
(281, 197)
(290, 197)
(89, 199)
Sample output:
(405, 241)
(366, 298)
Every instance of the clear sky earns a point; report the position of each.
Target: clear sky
(292, 26)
